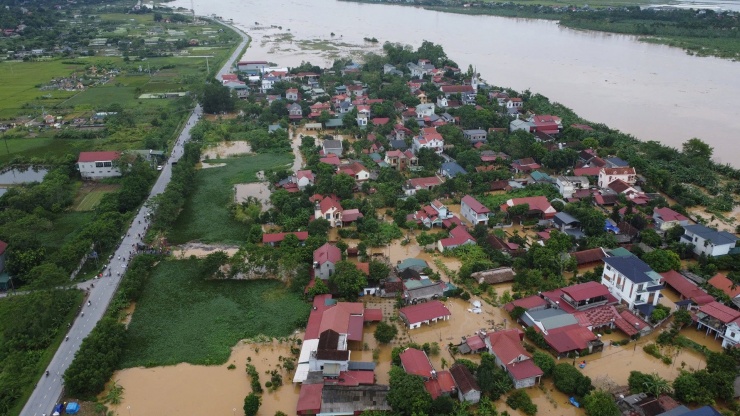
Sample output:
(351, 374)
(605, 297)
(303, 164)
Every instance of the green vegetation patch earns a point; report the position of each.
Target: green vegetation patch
(207, 216)
(31, 328)
(181, 317)
(88, 199)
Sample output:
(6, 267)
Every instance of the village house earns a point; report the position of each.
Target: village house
(332, 147)
(295, 112)
(609, 175)
(666, 218)
(428, 139)
(525, 165)
(579, 297)
(252, 67)
(568, 224)
(325, 259)
(538, 205)
(720, 320)
(274, 239)
(98, 165)
(431, 215)
(467, 386)
(424, 313)
(458, 236)
(451, 169)
(474, 211)
(422, 290)
(633, 282)
(400, 160)
(417, 184)
(562, 331)
(725, 285)
(707, 241)
(329, 209)
(689, 293)
(448, 90)
(511, 356)
(291, 94)
(356, 170)
(475, 136)
(568, 185)
(303, 178)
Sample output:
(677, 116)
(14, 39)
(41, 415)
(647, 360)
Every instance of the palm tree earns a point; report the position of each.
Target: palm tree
(657, 385)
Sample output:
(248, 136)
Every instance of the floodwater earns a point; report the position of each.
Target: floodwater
(226, 149)
(207, 390)
(259, 190)
(614, 79)
(20, 175)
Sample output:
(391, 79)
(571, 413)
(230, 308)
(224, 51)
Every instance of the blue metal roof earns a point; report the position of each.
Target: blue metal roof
(631, 267)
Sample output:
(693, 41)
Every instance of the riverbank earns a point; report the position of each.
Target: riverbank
(696, 33)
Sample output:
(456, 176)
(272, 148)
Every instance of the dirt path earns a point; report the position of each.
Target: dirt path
(201, 250)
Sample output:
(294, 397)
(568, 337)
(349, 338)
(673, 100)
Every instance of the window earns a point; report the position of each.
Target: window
(107, 164)
(98, 164)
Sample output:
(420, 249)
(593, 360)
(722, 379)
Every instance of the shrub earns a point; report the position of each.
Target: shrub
(519, 399)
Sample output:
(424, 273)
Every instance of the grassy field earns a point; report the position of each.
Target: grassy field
(90, 194)
(206, 216)
(182, 317)
(66, 225)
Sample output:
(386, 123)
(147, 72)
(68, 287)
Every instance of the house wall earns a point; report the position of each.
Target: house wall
(731, 336)
(317, 365)
(89, 170)
(472, 216)
(625, 290)
(325, 270)
(701, 246)
(472, 396)
(523, 384)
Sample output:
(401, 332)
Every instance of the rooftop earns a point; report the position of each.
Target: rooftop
(633, 268)
(416, 362)
(425, 311)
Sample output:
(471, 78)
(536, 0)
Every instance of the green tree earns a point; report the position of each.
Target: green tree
(407, 394)
(217, 99)
(442, 406)
(492, 379)
(544, 361)
(348, 280)
(689, 389)
(519, 399)
(600, 403)
(569, 380)
(697, 150)
(662, 260)
(385, 332)
(650, 238)
(252, 404)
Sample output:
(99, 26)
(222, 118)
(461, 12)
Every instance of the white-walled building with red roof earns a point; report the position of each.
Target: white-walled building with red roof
(324, 260)
(98, 165)
(424, 313)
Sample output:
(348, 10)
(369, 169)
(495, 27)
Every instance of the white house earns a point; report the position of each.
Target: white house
(98, 165)
(291, 94)
(303, 178)
(329, 209)
(474, 211)
(708, 241)
(325, 259)
(424, 110)
(567, 185)
(609, 175)
(267, 83)
(731, 337)
(632, 281)
(666, 218)
(432, 141)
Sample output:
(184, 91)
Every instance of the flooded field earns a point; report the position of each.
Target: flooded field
(207, 390)
(226, 149)
(201, 250)
(259, 190)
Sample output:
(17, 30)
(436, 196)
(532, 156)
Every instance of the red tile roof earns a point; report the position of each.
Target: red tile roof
(476, 206)
(667, 214)
(425, 311)
(351, 215)
(629, 319)
(278, 237)
(724, 284)
(356, 378)
(443, 384)
(425, 182)
(529, 302)
(723, 313)
(339, 318)
(3, 247)
(328, 203)
(619, 171)
(475, 343)
(585, 291)
(320, 304)
(589, 256)
(327, 252)
(458, 236)
(536, 203)
(569, 338)
(456, 89)
(524, 370)
(364, 268)
(309, 399)
(586, 171)
(464, 379)
(506, 345)
(416, 362)
(98, 156)
(682, 285)
(373, 315)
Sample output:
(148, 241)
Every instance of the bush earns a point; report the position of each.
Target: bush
(571, 381)
(252, 404)
(384, 332)
(521, 400)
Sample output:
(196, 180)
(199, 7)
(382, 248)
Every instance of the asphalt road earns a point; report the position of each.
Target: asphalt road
(100, 291)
